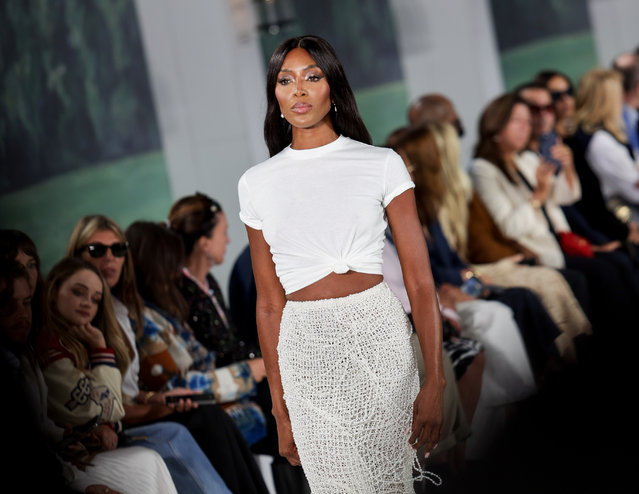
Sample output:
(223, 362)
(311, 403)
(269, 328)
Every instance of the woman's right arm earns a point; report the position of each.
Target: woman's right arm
(515, 218)
(75, 397)
(270, 304)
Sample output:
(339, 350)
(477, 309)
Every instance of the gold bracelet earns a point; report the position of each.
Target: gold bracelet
(147, 397)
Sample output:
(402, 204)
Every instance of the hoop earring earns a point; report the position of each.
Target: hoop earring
(281, 115)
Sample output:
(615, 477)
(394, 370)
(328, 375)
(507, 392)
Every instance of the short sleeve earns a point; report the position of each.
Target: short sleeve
(248, 215)
(396, 178)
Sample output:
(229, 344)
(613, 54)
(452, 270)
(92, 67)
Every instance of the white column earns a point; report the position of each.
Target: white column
(614, 24)
(207, 78)
(450, 48)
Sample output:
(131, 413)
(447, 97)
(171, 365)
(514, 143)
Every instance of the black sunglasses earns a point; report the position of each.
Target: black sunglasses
(98, 250)
(557, 95)
(537, 109)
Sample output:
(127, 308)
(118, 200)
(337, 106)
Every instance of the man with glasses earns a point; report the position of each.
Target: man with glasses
(543, 139)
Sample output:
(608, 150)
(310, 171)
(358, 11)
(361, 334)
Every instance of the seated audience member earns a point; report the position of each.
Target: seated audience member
(517, 189)
(507, 377)
(563, 99)
(158, 257)
(602, 143)
(25, 443)
(100, 241)
(83, 356)
(202, 225)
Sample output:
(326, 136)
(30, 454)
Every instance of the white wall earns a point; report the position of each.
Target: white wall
(450, 48)
(207, 77)
(615, 24)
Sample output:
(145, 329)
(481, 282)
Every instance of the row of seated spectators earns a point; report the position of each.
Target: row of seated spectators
(544, 222)
(130, 366)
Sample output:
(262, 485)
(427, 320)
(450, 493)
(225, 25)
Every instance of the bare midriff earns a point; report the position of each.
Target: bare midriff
(336, 285)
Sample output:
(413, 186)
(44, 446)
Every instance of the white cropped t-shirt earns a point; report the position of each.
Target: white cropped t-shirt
(321, 210)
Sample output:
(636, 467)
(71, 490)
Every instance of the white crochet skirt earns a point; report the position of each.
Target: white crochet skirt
(350, 379)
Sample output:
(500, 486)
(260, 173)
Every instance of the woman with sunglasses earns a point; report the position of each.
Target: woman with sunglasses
(100, 240)
(561, 91)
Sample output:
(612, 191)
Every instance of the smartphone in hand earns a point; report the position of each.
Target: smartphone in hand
(199, 398)
(546, 142)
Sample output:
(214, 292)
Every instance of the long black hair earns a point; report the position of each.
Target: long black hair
(346, 120)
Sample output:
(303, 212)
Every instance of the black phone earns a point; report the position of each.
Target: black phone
(199, 398)
(528, 261)
(547, 141)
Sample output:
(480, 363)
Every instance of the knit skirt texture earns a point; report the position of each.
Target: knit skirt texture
(350, 379)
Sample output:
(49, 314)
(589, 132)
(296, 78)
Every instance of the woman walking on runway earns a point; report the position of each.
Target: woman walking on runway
(335, 340)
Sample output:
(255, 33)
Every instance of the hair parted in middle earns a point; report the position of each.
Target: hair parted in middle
(493, 120)
(346, 121)
(105, 319)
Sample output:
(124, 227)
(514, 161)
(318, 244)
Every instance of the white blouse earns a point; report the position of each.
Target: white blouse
(321, 210)
(510, 207)
(610, 160)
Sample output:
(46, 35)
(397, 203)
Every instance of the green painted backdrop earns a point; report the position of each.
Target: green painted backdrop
(78, 131)
(543, 34)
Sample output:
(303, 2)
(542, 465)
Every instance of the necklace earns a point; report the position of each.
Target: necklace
(209, 291)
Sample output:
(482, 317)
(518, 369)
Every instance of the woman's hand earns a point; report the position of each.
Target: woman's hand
(107, 437)
(182, 405)
(286, 442)
(544, 175)
(607, 247)
(89, 334)
(428, 416)
(258, 370)
(450, 296)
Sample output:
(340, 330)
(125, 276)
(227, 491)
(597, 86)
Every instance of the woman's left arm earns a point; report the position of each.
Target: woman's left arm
(413, 255)
(567, 188)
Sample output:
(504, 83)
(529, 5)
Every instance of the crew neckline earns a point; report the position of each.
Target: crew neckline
(318, 151)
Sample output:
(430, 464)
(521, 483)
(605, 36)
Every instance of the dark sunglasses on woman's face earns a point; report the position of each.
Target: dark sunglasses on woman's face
(557, 95)
(537, 109)
(98, 250)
